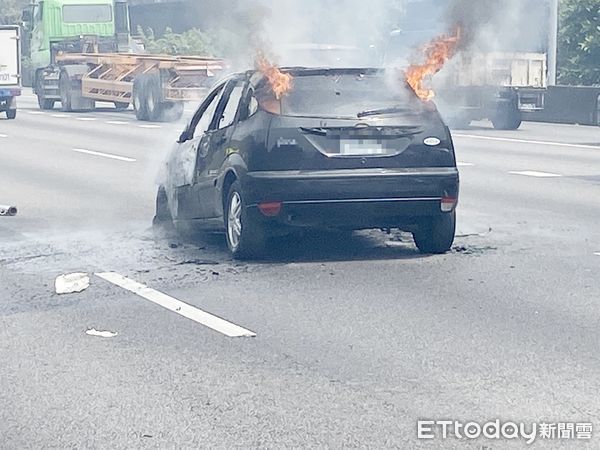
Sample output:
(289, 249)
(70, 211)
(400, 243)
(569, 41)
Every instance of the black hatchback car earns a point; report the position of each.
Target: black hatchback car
(344, 149)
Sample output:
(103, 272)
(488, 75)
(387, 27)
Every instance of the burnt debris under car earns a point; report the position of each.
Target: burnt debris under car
(336, 149)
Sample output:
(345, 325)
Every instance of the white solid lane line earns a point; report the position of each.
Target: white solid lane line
(533, 173)
(524, 141)
(104, 155)
(172, 304)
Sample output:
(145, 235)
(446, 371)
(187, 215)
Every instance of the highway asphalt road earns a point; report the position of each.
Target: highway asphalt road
(356, 338)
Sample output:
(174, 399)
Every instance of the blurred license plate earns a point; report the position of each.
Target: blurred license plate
(361, 148)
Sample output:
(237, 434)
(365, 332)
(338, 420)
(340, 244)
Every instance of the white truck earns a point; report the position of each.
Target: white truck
(10, 69)
(502, 87)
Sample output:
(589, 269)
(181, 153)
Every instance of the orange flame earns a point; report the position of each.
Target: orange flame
(281, 83)
(437, 53)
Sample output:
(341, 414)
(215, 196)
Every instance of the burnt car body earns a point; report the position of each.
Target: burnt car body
(344, 149)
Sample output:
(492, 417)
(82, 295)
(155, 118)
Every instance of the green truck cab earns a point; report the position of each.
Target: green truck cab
(71, 26)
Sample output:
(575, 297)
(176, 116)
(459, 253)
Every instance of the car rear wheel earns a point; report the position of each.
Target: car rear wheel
(436, 235)
(245, 237)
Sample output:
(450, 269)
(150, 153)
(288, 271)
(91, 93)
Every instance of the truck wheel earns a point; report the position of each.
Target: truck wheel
(154, 102)
(172, 111)
(64, 84)
(44, 103)
(436, 234)
(11, 114)
(139, 98)
(246, 238)
(121, 106)
(508, 118)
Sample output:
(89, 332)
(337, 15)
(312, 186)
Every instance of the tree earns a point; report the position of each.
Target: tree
(579, 42)
(10, 11)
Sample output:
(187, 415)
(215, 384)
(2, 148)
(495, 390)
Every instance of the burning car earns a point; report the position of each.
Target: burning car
(273, 150)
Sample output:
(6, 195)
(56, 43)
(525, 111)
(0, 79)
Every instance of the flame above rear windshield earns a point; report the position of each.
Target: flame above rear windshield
(280, 83)
(437, 53)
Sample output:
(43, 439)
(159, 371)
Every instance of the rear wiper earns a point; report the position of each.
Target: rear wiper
(379, 112)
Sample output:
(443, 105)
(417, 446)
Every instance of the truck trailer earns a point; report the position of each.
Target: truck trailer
(10, 69)
(81, 53)
(501, 76)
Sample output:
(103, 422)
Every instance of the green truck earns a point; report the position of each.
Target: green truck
(81, 53)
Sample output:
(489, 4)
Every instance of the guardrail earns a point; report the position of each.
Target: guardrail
(570, 104)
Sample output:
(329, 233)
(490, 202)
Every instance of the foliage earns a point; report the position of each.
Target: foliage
(579, 42)
(10, 11)
(192, 42)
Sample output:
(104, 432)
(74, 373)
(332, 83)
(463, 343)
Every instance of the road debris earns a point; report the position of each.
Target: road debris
(488, 232)
(9, 211)
(72, 283)
(102, 334)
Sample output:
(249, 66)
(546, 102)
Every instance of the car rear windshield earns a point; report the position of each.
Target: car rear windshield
(346, 95)
(87, 13)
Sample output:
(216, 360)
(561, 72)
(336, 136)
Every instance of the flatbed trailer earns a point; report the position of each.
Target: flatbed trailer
(156, 85)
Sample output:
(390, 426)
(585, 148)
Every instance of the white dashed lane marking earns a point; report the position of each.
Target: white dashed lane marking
(35, 113)
(117, 122)
(535, 174)
(3, 135)
(464, 164)
(172, 304)
(525, 141)
(86, 119)
(150, 127)
(104, 155)
(60, 116)
(597, 253)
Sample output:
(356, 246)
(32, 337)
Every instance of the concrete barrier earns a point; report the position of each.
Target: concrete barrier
(570, 104)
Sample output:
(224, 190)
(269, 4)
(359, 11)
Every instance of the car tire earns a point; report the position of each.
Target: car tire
(246, 237)
(435, 235)
(11, 114)
(139, 98)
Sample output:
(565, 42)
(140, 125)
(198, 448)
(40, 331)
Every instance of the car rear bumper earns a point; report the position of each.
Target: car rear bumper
(364, 198)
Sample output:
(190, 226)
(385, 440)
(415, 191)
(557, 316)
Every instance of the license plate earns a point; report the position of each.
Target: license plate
(361, 148)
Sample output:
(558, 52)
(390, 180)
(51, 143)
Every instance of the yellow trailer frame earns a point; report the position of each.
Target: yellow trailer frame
(111, 76)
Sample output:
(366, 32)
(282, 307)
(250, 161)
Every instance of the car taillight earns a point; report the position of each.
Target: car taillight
(449, 203)
(270, 209)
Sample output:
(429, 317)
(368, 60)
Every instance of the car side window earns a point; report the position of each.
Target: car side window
(231, 108)
(204, 121)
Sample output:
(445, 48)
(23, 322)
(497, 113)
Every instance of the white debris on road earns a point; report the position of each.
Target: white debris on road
(72, 283)
(8, 210)
(102, 334)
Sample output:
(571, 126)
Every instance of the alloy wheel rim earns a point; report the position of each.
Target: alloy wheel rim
(234, 220)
